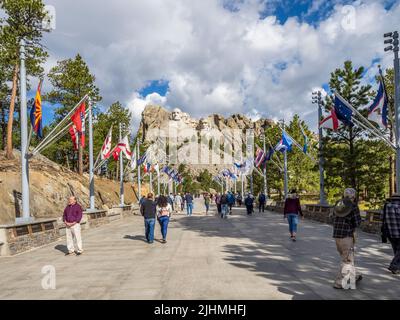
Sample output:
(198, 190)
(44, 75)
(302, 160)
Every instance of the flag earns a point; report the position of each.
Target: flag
(343, 112)
(141, 160)
(378, 110)
(133, 162)
(284, 144)
(106, 148)
(270, 153)
(305, 146)
(330, 122)
(260, 156)
(116, 153)
(78, 120)
(74, 136)
(36, 113)
(123, 145)
(157, 168)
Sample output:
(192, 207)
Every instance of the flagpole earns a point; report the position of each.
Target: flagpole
(151, 181)
(265, 168)
(158, 181)
(121, 170)
(322, 199)
(138, 169)
(24, 138)
(91, 172)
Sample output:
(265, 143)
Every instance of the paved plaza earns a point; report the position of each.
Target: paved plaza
(242, 257)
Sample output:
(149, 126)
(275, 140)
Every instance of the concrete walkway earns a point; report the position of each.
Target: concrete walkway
(205, 258)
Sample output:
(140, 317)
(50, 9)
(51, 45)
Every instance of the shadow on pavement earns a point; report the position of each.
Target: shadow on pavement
(304, 269)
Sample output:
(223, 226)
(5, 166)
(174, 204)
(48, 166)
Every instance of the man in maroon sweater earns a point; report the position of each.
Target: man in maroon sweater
(72, 217)
(292, 211)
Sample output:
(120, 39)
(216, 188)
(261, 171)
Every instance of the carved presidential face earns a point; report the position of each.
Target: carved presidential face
(176, 115)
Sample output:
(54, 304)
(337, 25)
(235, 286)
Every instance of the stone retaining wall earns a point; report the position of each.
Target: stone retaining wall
(370, 224)
(17, 238)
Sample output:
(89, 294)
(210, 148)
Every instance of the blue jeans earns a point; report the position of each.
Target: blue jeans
(224, 211)
(149, 229)
(189, 208)
(207, 206)
(164, 226)
(293, 220)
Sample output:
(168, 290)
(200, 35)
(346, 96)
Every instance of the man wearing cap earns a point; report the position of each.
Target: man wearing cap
(391, 229)
(346, 219)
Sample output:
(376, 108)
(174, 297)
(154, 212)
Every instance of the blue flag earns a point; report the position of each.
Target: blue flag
(343, 112)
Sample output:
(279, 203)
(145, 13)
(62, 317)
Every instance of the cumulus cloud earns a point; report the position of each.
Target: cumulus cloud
(218, 55)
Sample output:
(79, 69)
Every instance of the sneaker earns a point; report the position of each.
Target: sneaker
(359, 277)
(70, 253)
(294, 239)
(79, 253)
(336, 286)
(163, 241)
(394, 271)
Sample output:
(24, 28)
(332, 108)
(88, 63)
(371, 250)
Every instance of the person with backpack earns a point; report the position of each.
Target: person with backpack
(291, 212)
(391, 230)
(248, 202)
(231, 201)
(239, 199)
(261, 202)
(224, 206)
(189, 203)
(346, 219)
(164, 210)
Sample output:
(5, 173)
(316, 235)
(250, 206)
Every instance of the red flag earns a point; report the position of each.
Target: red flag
(74, 136)
(78, 119)
(116, 153)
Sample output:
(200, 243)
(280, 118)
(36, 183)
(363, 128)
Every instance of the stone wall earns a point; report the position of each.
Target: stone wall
(370, 224)
(17, 238)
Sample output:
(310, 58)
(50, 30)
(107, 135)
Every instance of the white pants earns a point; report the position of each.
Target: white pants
(74, 233)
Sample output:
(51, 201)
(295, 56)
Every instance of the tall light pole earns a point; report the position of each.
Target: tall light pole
(316, 99)
(121, 170)
(24, 137)
(265, 167)
(392, 38)
(91, 172)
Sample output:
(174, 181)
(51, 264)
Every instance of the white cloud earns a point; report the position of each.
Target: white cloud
(216, 60)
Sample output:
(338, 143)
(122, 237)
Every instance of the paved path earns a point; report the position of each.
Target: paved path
(205, 258)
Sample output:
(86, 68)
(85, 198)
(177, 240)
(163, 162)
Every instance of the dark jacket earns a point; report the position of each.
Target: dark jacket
(344, 226)
(224, 199)
(261, 198)
(292, 205)
(72, 213)
(148, 209)
(249, 201)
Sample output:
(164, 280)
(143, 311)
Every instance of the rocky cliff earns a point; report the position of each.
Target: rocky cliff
(50, 187)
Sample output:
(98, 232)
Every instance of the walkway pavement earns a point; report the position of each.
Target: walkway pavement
(242, 257)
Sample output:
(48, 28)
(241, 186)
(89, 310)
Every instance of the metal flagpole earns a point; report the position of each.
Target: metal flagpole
(121, 170)
(151, 181)
(158, 181)
(285, 172)
(138, 169)
(265, 169)
(24, 138)
(242, 184)
(91, 172)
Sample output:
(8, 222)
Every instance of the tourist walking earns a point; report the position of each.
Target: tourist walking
(239, 199)
(72, 219)
(218, 203)
(346, 219)
(178, 203)
(249, 203)
(164, 211)
(171, 200)
(231, 201)
(183, 202)
(261, 202)
(224, 206)
(189, 203)
(148, 211)
(391, 229)
(207, 202)
(291, 212)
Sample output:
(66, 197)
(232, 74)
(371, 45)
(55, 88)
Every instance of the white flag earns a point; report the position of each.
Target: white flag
(133, 162)
(123, 145)
(157, 169)
(106, 148)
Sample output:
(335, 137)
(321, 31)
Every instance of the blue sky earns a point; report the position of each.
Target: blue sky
(218, 56)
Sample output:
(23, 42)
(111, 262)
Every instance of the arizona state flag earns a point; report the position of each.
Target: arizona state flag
(36, 113)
